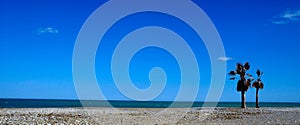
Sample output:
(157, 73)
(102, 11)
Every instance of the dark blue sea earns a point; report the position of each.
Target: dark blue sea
(42, 103)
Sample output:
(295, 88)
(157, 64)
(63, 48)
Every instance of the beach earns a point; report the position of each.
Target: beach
(151, 116)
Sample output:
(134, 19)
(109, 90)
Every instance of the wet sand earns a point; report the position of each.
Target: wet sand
(151, 116)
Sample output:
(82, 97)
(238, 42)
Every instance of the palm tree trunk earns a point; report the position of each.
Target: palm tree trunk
(243, 100)
(257, 106)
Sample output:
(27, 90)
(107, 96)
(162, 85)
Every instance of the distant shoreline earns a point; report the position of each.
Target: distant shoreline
(51, 103)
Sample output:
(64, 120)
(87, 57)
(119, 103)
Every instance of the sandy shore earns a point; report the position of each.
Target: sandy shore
(149, 116)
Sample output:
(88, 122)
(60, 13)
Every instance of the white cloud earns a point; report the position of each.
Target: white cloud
(224, 59)
(287, 16)
(279, 21)
(292, 15)
(47, 30)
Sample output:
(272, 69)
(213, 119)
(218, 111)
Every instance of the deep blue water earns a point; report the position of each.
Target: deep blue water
(40, 103)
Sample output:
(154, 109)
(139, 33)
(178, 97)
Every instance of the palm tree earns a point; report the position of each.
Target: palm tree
(243, 83)
(258, 84)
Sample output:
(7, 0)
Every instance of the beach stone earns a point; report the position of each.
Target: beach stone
(150, 116)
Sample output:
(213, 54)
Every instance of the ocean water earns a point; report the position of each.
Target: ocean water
(41, 103)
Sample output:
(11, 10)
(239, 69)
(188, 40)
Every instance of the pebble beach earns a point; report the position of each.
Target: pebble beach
(149, 116)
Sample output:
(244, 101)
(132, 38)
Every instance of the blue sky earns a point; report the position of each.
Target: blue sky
(37, 40)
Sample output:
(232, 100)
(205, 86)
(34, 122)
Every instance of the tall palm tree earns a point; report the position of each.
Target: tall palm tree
(258, 84)
(243, 83)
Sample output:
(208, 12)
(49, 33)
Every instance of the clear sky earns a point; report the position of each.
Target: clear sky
(37, 40)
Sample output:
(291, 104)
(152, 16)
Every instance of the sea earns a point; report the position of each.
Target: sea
(50, 103)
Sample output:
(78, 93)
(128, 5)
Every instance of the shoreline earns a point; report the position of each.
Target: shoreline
(203, 115)
(57, 103)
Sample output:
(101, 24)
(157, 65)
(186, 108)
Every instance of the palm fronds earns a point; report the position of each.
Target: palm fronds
(247, 66)
(261, 86)
(232, 73)
(258, 84)
(258, 72)
(243, 84)
(239, 66)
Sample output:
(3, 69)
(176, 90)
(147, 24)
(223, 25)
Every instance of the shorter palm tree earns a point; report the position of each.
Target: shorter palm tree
(258, 84)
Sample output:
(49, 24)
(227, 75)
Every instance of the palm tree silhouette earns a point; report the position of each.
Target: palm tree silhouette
(258, 84)
(243, 83)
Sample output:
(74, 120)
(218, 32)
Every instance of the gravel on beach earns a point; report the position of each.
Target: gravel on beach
(151, 116)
